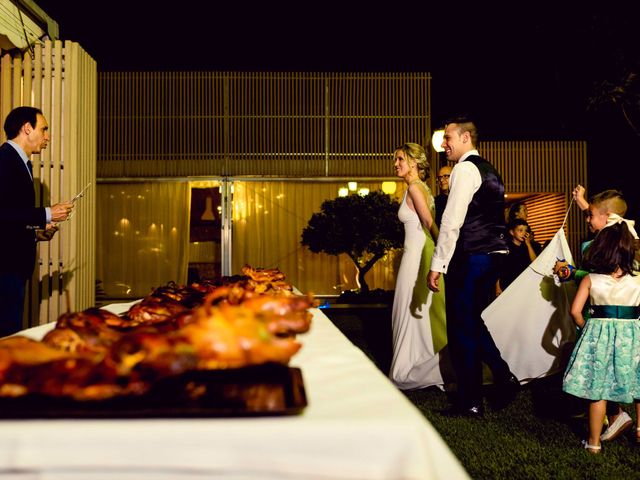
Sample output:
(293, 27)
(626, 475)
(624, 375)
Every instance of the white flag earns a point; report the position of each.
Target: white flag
(530, 321)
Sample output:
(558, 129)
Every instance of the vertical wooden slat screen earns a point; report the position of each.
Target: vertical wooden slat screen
(5, 88)
(61, 80)
(298, 124)
(79, 275)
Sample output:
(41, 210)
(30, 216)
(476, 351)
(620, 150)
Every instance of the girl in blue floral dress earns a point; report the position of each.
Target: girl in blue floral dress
(605, 363)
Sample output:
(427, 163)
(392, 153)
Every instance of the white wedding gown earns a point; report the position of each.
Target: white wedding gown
(418, 315)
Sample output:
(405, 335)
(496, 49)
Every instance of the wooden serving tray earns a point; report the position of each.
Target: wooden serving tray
(269, 389)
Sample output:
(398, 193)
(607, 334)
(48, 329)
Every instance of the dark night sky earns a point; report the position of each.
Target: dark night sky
(524, 73)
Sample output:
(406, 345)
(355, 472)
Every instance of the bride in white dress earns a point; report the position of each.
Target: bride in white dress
(418, 315)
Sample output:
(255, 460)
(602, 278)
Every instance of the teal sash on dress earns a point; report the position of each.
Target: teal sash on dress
(614, 311)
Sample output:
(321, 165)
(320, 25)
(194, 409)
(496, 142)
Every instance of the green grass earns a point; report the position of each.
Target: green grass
(537, 436)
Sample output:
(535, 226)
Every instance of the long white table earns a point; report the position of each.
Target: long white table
(357, 425)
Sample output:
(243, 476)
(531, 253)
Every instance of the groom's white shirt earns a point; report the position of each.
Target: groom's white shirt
(464, 182)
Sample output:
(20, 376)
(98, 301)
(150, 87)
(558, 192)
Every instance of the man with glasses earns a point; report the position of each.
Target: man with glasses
(441, 199)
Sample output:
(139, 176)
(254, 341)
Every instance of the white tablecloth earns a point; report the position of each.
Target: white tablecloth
(357, 426)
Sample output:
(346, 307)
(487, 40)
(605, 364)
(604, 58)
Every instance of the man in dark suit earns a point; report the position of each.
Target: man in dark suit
(470, 248)
(23, 223)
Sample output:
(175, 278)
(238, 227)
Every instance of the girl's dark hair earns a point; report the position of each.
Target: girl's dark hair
(614, 247)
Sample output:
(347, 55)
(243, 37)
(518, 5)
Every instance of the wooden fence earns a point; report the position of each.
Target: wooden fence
(163, 124)
(60, 79)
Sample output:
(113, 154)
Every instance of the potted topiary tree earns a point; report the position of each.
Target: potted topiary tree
(365, 228)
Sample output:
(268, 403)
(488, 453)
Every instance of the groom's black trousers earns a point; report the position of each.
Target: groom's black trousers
(471, 280)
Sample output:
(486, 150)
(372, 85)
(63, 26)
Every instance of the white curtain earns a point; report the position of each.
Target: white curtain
(268, 219)
(142, 236)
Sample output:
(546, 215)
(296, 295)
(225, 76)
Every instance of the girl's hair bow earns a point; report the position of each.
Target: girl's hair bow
(615, 218)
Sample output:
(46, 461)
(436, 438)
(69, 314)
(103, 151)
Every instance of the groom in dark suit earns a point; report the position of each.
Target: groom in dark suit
(470, 248)
(22, 222)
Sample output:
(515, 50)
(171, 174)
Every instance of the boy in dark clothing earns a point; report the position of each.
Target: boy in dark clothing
(522, 251)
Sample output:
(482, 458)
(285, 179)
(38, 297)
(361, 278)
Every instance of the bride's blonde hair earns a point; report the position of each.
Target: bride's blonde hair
(416, 153)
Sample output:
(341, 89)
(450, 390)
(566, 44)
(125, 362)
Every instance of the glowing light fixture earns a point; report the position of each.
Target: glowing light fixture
(436, 140)
(208, 210)
(389, 187)
(353, 186)
(343, 192)
(363, 192)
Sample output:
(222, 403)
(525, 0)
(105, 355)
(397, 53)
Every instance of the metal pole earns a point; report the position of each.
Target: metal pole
(226, 237)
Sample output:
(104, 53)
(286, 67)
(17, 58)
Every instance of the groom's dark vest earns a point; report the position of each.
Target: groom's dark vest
(483, 230)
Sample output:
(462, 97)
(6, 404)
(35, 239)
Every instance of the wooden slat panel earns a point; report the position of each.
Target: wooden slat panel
(5, 89)
(34, 295)
(45, 169)
(60, 80)
(546, 213)
(274, 123)
(85, 174)
(17, 81)
(53, 306)
(69, 232)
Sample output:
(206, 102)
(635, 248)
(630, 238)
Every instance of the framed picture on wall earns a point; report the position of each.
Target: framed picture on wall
(205, 221)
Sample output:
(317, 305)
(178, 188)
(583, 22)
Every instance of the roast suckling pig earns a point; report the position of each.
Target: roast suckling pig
(95, 355)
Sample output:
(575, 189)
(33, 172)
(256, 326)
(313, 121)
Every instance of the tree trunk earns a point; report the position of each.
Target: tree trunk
(362, 283)
(363, 270)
